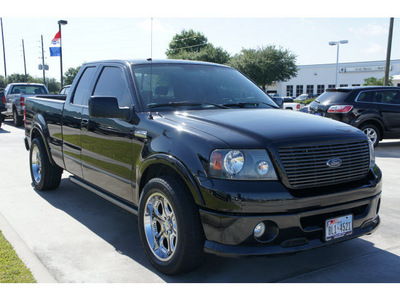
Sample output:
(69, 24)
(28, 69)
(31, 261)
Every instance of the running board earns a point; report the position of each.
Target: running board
(103, 195)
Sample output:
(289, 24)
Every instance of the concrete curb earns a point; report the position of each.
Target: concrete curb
(38, 270)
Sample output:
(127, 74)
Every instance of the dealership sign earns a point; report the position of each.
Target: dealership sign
(363, 69)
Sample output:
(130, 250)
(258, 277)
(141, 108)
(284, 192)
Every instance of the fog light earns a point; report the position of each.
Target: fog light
(259, 230)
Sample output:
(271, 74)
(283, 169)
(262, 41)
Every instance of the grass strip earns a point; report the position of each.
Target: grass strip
(12, 269)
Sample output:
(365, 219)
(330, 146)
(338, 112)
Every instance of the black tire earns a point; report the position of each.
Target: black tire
(372, 132)
(17, 119)
(45, 176)
(179, 247)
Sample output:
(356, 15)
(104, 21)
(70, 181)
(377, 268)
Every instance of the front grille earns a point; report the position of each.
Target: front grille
(306, 166)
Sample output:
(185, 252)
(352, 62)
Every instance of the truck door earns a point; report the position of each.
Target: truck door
(72, 119)
(107, 158)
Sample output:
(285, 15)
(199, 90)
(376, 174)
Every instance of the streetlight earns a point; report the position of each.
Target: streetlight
(337, 58)
(61, 22)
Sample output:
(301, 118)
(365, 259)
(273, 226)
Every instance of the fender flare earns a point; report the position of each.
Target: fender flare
(177, 166)
(37, 127)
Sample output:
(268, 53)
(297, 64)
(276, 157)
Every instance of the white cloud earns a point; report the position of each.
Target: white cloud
(157, 26)
(371, 29)
(375, 48)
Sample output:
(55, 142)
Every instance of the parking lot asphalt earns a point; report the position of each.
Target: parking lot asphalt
(72, 235)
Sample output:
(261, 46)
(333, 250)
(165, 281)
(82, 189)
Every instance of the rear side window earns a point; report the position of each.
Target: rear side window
(380, 96)
(391, 97)
(333, 96)
(113, 82)
(83, 92)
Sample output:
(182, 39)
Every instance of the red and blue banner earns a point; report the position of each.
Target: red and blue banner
(55, 48)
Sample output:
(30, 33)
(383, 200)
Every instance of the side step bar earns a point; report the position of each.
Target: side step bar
(103, 195)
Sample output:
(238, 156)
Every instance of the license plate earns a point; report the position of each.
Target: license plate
(318, 114)
(338, 227)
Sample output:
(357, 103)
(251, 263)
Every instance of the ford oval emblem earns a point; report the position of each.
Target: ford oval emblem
(334, 163)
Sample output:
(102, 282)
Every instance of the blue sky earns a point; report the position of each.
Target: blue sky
(112, 34)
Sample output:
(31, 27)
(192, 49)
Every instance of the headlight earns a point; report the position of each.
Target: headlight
(241, 164)
(371, 154)
(233, 162)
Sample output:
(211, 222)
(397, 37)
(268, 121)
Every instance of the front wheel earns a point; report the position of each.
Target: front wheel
(169, 226)
(45, 176)
(372, 132)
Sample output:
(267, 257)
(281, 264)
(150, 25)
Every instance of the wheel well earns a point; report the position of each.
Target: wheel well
(35, 134)
(158, 170)
(376, 123)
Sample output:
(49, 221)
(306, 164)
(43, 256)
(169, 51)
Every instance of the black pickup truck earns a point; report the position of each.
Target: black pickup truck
(206, 159)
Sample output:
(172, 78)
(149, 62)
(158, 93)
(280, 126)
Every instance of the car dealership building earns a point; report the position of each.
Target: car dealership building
(315, 79)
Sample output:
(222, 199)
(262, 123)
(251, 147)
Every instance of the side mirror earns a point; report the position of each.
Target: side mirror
(107, 107)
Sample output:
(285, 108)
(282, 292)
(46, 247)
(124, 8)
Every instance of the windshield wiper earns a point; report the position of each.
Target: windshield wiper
(243, 104)
(184, 103)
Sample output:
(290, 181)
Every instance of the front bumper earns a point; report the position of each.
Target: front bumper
(292, 223)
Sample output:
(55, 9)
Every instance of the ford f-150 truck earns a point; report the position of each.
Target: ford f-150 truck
(206, 159)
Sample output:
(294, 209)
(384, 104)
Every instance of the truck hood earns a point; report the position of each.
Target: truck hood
(255, 128)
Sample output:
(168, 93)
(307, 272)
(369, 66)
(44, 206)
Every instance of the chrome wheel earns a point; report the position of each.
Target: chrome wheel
(160, 226)
(371, 134)
(36, 164)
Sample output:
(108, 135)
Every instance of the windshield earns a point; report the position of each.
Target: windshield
(186, 86)
(28, 89)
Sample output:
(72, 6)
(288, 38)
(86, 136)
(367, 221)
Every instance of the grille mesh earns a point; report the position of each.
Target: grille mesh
(306, 166)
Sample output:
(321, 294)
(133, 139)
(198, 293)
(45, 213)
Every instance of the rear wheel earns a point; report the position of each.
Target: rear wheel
(17, 119)
(45, 176)
(169, 226)
(372, 132)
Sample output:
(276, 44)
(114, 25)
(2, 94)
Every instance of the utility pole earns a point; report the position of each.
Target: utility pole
(389, 50)
(23, 53)
(44, 67)
(4, 50)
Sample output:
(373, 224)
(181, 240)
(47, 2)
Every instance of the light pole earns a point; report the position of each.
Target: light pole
(337, 43)
(61, 22)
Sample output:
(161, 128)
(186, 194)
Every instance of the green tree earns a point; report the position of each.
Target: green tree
(188, 41)
(266, 64)
(14, 78)
(70, 74)
(53, 85)
(209, 53)
(2, 82)
(372, 81)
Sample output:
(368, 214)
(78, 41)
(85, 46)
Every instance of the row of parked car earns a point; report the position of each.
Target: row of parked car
(374, 110)
(292, 103)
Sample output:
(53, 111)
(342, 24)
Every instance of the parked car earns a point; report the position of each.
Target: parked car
(278, 100)
(14, 99)
(374, 110)
(206, 160)
(305, 109)
(304, 97)
(288, 103)
(2, 107)
(65, 90)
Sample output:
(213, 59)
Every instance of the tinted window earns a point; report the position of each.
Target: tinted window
(28, 89)
(196, 84)
(333, 97)
(83, 91)
(370, 97)
(112, 82)
(391, 97)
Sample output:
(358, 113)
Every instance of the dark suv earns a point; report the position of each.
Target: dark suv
(373, 109)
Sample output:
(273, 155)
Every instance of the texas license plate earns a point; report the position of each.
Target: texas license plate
(338, 227)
